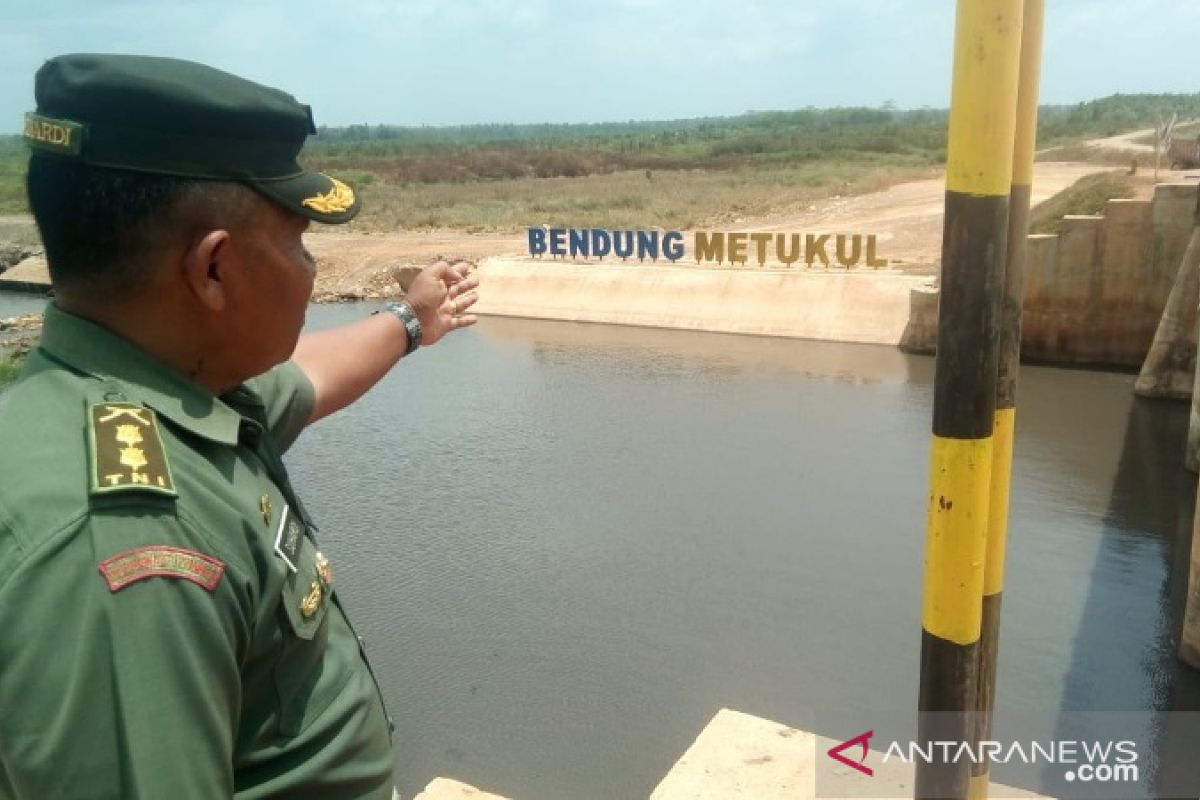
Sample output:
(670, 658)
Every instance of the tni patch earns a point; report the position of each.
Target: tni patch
(127, 450)
(140, 563)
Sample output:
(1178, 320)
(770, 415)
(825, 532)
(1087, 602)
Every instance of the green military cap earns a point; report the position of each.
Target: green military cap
(173, 117)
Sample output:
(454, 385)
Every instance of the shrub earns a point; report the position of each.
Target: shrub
(10, 368)
(1086, 196)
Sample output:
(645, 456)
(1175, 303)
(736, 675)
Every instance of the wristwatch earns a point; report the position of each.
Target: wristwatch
(404, 313)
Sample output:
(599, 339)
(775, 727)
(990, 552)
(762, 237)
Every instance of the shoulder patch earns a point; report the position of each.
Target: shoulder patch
(126, 450)
(140, 563)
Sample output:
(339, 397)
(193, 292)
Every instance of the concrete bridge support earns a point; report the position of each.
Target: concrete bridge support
(1170, 366)
(1189, 641)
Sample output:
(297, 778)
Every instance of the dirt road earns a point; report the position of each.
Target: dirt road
(1124, 141)
(907, 218)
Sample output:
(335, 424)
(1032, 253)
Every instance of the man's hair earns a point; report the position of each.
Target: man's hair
(105, 229)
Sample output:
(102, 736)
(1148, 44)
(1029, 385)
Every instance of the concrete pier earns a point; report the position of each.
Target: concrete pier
(1170, 366)
(1174, 207)
(1191, 453)
(1189, 640)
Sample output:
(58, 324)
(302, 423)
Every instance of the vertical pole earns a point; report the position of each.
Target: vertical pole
(1006, 381)
(979, 160)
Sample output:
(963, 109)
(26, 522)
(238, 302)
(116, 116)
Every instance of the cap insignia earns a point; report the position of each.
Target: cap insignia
(335, 201)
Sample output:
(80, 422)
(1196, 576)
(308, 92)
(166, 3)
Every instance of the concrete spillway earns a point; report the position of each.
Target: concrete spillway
(861, 306)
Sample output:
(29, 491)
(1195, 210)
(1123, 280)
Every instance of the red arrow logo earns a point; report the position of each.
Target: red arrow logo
(863, 738)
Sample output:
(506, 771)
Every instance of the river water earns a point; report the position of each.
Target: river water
(569, 545)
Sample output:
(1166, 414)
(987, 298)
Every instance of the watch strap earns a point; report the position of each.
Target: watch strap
(406, 315)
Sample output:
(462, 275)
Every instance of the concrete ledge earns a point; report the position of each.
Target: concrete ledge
(740, 757)
(868, 306)
(31, 275)
(446, 789)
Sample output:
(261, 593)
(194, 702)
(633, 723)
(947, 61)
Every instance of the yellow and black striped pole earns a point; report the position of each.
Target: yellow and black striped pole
(1006, 382)
(983, 105)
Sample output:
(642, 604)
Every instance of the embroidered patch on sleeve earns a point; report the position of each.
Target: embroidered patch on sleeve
(140, 563)
(127, 451)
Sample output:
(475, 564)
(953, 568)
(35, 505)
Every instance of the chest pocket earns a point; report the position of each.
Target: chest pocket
(304, 606)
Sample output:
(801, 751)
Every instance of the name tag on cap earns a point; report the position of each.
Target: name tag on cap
(55, 135)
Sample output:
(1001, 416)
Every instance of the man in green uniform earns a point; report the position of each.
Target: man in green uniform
(171, 627)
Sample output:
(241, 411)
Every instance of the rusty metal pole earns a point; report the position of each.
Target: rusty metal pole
(987, 50)
(1006, 381)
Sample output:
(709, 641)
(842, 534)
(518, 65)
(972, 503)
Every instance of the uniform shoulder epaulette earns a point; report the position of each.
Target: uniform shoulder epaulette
(126, 450)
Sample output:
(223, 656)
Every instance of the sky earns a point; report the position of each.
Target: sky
(453, 62)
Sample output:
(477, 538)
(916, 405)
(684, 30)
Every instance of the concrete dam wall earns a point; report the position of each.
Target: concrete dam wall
(869, 306)
(1094, 293)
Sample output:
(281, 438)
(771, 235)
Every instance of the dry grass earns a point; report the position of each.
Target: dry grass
(1086, 196)
(675, 199)
(1097, 155)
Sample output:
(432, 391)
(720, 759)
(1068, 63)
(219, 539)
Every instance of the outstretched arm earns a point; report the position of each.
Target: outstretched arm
(343, 363)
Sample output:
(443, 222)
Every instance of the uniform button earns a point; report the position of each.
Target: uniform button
(362, 642)
(249, 433)
(391, 725)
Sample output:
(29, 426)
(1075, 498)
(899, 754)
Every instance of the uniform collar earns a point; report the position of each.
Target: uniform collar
(102, 354)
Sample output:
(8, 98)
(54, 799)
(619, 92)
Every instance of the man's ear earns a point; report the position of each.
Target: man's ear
(206, 266)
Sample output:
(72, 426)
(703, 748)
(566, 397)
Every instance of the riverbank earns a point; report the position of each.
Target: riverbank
(18, 335)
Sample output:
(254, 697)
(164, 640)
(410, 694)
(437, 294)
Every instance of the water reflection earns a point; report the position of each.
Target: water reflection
(1139, 577)
(664, 353)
